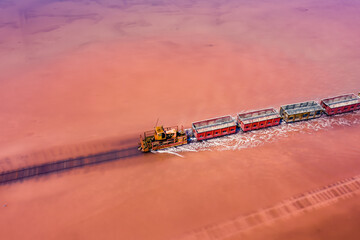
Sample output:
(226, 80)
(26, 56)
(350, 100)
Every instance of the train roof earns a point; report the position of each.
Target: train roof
(258, 116)
(213, 124)
(302, 107)
(341, 101)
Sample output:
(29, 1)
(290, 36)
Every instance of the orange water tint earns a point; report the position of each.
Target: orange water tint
(227, 62)
(125, 200)
(190, 63)
(122, 89)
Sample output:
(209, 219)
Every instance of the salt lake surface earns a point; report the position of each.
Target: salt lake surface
(74, 72)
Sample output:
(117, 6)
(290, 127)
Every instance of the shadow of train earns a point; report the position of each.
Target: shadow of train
(69, 163)
(56, 153)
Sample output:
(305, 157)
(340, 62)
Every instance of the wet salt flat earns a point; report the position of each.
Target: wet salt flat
(80, 77)
(315, 199)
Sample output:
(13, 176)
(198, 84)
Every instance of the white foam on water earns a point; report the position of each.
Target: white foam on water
(169, 152)
(256, 138)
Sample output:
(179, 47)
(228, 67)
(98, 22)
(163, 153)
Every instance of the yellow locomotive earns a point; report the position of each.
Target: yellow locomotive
(161, 138)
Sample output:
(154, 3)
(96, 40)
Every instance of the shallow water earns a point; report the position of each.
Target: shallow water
(78, 73)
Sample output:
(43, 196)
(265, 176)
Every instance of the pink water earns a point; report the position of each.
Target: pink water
(73, 72)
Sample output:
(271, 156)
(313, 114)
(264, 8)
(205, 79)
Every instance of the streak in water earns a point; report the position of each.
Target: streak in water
(297, 205)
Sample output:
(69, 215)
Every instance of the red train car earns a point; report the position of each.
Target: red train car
(341, 104)
(258, 119)
(215, 127)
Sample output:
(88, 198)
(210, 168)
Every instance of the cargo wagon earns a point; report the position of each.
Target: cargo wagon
(341, 104)
(215, 127)
(258, 119)
(301, 111)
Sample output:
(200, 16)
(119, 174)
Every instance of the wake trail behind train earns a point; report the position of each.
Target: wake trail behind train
(260, 137)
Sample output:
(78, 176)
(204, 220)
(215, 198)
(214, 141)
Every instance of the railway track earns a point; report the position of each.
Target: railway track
(61, 165)
(296, 205)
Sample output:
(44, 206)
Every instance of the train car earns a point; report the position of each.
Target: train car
(340, 104)
(301, 111)
(214, 127)
(161, 138)
(258, 119)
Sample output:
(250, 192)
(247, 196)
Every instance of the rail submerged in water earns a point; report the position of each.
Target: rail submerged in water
(297, 205)
(65, 164)
(216, 127)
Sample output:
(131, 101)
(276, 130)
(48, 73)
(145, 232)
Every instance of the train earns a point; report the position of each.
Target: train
(162, 138)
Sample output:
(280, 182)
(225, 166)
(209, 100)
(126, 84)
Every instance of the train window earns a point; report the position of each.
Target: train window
(317, 112)
(305, 115)
(290, 118)
(209, 134)
(352, 107)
